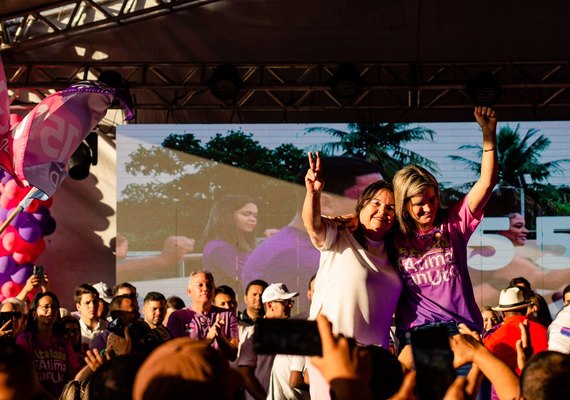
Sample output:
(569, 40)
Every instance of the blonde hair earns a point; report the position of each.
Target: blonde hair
(408, 182)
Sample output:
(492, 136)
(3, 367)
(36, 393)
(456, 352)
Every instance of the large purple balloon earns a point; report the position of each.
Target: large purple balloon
(4, 278)
(7, 265)
(30, 231)
(20, 219)
(48, 226)
(22, 274)
(40, 215)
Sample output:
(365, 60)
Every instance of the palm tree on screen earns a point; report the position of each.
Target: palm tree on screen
(520, 168)
(381, 143)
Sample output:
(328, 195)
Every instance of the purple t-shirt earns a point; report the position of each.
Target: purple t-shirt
(192, 324)
(433, 266)
(224, 261)
(284, 257)
(54, 360)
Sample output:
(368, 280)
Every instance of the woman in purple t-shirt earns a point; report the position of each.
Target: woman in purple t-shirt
(53, 356)
(432, 243)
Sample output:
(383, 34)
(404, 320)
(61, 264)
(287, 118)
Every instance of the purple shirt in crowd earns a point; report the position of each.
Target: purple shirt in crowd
(433, 266)
(224, 261)
(192, 324)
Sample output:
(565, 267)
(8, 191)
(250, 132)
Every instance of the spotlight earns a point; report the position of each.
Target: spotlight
(225, 82)
(484, 89)
(346, 81)
(83, 158)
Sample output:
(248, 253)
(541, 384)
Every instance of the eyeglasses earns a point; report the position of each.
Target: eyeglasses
(46, 307)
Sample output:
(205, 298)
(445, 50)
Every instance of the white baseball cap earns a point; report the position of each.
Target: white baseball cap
(105, 291)
(277, 291)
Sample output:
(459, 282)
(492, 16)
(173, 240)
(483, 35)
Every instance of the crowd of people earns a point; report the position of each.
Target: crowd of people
(392, 272)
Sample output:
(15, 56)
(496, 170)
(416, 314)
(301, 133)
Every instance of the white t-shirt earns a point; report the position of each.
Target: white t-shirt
(88, 334)
(279, 388)
(355, 289)
(559, 332)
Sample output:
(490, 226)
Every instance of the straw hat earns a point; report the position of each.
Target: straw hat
(510, 299)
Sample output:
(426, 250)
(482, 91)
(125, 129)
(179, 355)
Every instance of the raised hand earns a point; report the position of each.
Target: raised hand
(313, 179)
(216, 329)
(524, 347)
(118, 345)
(175, 247)
(6, 329)
(341, 357)
(486, 118)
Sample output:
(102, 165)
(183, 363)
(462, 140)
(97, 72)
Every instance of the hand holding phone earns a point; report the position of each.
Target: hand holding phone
(286, 336)
(6, 319)
(433, 360)
(39, 272)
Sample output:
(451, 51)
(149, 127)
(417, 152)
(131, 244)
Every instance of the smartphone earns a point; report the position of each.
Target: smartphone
(433, 359)
(6, 316)
(39, 271)
(286, 336)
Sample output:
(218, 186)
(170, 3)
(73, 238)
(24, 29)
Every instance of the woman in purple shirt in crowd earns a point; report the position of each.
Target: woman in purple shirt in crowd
(432, 244)
(230, 237)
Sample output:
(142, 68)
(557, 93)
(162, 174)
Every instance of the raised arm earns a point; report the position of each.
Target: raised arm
(481, 191)
(312, 206)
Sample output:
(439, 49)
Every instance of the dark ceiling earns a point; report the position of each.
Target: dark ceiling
(414, 57)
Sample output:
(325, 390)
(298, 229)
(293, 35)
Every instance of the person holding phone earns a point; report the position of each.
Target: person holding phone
(432, 244)
(53, 356)
(357, 286)
(12, 317)
(37, 280)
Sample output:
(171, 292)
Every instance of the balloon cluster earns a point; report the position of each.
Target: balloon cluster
(22, 242)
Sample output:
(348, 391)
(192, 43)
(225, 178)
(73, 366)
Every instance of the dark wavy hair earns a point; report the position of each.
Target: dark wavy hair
(366, 197)
(221, 222)
(32, 323)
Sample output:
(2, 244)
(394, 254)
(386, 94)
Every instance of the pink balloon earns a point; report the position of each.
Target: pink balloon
(22, 258)
(15, 119)
(10, 289)
(22, 274)
(13, 191)
(47, 203)
(8, 202)
(33, 206)
(8, 241)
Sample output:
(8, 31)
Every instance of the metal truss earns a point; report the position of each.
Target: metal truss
(301, 92)
(62, 19)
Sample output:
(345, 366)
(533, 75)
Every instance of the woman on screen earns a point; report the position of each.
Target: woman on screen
(230, 237)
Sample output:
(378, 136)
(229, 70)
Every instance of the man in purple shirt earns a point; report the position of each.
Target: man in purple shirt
(204, 321)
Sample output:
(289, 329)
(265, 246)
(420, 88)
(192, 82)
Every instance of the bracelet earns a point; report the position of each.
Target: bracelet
(489, 149)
